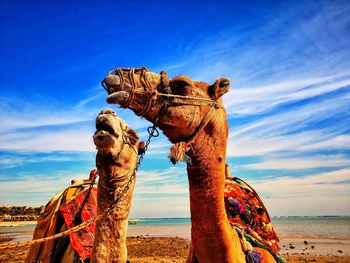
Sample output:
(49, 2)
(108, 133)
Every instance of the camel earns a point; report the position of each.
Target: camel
(60, 213)
(116, 159)
(117, 152)
(191, 115)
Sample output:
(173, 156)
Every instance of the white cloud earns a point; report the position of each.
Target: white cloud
(300, 163)
(66, 140)
(46, 127)
(36, 114)
(34, 189)
(338, 142)
(301, 117)
(320, 194)
(10, 161)
(170, 181)
(292, 130)
(254, 100)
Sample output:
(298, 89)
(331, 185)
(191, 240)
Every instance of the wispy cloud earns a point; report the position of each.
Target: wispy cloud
(320, 194)
(67, 140)
(36, 114)
(300, 163)
(255, 100)
(170, 181)
(14, 159)
(10, 161)
(294, 129)
(35, 189)
(37, 126)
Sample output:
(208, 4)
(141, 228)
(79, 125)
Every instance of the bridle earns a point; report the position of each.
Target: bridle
(177, 153)
(170, 99)
(115, 159)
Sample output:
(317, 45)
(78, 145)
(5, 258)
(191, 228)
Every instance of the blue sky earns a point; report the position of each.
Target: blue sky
(288, 108)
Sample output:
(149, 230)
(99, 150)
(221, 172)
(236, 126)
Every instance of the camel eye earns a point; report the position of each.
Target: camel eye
(181, 85)
(180, 88)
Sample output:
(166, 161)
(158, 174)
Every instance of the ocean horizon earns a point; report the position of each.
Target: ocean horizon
(321, 227)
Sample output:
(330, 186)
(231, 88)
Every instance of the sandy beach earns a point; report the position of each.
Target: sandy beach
(167, 240)
(146, 249)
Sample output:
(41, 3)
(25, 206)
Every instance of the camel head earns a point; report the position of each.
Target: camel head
(112, 134)
(177, 105)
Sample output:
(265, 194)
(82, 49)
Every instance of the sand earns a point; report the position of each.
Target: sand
(143, 249)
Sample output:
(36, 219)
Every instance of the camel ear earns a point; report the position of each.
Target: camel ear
(219, 88)
(132, 135)
(141, 147)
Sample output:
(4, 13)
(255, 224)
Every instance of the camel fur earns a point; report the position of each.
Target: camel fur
(117, 153)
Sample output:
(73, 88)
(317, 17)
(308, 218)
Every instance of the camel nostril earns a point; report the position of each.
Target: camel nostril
(224, 83)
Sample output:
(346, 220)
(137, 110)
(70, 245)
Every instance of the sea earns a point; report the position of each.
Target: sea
(320, 227)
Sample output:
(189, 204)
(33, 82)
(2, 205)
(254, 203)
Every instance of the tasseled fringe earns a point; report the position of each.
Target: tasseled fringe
(253, 257)
(250, 255)
(177, 153)
(280, 259)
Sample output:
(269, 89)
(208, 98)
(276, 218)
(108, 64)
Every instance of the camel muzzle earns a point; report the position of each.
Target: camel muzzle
(102, 139)
(112, 80)
(118, 97)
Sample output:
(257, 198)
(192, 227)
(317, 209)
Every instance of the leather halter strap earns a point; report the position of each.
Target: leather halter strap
(178, 151)
(153, 94)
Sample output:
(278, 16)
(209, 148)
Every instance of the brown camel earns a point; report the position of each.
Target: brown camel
(191, 115)
(117, 151)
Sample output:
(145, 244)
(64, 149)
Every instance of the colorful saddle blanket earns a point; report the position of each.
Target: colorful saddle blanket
(248, 215)
(78, 210)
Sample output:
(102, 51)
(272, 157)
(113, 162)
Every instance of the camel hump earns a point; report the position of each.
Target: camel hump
(248, 216)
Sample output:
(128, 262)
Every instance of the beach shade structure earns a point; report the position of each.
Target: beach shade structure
(68, 208)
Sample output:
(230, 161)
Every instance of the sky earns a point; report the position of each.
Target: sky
(288, 106)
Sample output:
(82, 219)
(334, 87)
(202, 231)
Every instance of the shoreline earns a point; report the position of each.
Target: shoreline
(16, 223)
(302, 244)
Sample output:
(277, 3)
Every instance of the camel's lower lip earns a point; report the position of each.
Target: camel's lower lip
(118, 97)
(103, 139)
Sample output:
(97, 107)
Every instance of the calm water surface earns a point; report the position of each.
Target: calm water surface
(312, 227)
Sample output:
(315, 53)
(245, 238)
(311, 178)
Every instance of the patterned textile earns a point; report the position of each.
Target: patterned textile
(50, 222)
(248, 215)
(78, 210)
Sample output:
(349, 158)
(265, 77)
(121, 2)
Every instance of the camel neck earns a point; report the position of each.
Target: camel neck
(207, 177)
(212, 236)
